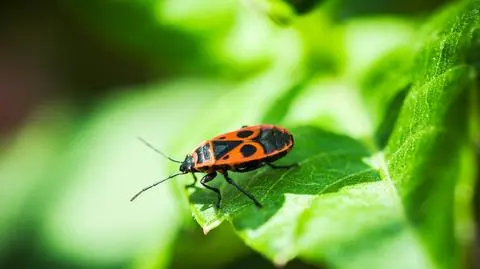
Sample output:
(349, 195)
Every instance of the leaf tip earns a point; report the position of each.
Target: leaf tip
(207, 228)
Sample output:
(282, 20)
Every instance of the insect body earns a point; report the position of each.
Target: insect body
(243, 150)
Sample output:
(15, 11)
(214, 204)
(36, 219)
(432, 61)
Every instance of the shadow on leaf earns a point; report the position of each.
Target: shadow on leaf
(384, 130)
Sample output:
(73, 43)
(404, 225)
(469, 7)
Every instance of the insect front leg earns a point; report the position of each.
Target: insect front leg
(281, 166)
(207, 178)
(230, 181)
(192, 185)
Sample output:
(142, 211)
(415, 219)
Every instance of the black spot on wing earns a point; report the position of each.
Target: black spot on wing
(272, 140)
(203, 153)
(226, 157)
(222, 147)
(244, 133)
(222, 137)
(281, 139)
(248, 150)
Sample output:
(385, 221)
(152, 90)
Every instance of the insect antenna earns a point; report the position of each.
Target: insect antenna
(157, 151)
(155, 184)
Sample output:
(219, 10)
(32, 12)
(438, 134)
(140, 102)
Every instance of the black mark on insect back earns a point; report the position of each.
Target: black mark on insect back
(244, 134)
(203, 153)
(272, 140)
(248, 150)
(221, 148)
(281, 139)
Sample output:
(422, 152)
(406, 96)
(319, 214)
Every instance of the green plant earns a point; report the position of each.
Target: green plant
(384, 110)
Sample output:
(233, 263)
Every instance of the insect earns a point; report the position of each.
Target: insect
(242, 150)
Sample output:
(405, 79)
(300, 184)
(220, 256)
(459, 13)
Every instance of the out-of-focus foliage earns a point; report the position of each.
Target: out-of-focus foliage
(382, 107)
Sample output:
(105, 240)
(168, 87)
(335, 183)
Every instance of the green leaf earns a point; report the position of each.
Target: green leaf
(384, 89)
(309, 209)
(353, 204)
(423, 157)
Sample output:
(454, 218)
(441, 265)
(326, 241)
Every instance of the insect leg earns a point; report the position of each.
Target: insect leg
(192, 185)
(230, 181)
(281, 166)
(208, 178)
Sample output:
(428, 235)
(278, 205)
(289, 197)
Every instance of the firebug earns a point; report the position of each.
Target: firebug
(242, 150)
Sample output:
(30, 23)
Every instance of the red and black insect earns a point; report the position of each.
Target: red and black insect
(243, 150)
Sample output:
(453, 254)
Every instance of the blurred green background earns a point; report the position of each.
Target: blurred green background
(80, 80)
